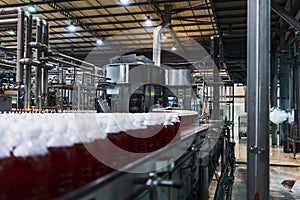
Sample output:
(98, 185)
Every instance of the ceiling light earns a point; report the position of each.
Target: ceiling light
(99, 42)
(148, 21)
(11, 32)
(31, 8)
(124, 1)
(164, 36)
(71, 27)
(173, 48)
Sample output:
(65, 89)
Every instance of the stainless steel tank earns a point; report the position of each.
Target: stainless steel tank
(178, 77)
(135, 73)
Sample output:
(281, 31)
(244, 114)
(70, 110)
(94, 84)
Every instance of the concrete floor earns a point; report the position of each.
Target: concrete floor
(290, 170)
(277, 156)
(277, 175)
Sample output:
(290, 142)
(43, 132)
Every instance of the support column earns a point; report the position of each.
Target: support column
(284, 74)
(216, 79)
(258, 99)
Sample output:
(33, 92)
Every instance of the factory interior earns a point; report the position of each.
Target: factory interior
(149, 99)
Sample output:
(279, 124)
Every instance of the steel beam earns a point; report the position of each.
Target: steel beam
(145, 3)
(258, 60)
(285, 15)
(138, 21)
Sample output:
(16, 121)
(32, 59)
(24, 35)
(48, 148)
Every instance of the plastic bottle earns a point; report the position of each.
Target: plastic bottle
(29, 166)
(5, 172)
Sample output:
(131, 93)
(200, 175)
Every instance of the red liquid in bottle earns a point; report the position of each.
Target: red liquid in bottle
(5, 172)
(83, 165)
(170, 133)
(61, 162)
(160, 137)
(177, 133)
(101, 151)
(29, 178)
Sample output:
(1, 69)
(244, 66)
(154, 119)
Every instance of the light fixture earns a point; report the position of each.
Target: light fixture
(11, 32)
(148, 21)
(99, 42)
(164, 36)
(174, 48)
(31, 8)
(124, 1)
(71, 27)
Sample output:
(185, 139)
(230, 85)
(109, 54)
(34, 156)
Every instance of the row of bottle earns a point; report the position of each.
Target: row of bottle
(35, 164)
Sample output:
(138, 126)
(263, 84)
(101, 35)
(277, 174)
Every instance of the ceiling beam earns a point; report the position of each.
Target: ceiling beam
(63, 11)
(10, 5)
(147, 12)
(140, 21)
(114, 6)
(107, 36)
(105, 15)
(125, 29)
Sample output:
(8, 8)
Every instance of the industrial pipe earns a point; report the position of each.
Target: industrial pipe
(96, 75)
(156, 35)
(7, 62)
(56, 54)
(7, 11)
(20, 46)
(67, 63)
(8, 16)
(45, 42)
(38, 71)
(28, 53)
(30, 61)
(38, 45)
(156, 45)
(5, 22)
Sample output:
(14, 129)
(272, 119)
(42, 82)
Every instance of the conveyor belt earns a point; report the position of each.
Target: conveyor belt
(124, 185)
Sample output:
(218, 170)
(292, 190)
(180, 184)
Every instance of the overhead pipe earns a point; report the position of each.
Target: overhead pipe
(7, 66)
(38, 45)
(7, 11)
(7, 62)
(56, 54)
(7, 58)
(7, 50)
(8, 16)
(20, 46)
(156, 35)
(67, 63)
(87, 64)
(36, 63)
(28, 53)
(95, 75)
(4, 22)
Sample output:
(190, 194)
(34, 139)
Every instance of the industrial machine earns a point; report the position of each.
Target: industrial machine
(141, 87)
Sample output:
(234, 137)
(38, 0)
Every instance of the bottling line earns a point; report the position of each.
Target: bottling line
(74, 130)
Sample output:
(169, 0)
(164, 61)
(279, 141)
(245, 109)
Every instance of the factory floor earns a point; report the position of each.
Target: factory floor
(284, 172)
